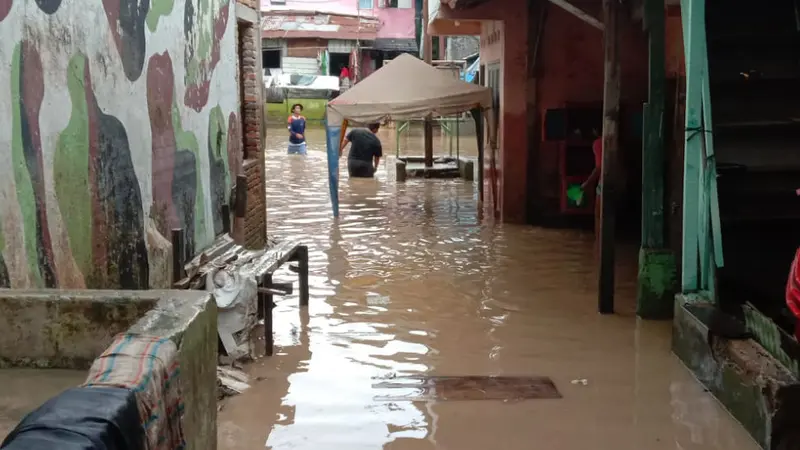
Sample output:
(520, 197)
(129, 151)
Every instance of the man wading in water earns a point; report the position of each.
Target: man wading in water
(297, 129)
(365, 152)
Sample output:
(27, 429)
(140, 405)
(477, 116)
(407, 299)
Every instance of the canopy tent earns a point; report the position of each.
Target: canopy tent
(406, 88)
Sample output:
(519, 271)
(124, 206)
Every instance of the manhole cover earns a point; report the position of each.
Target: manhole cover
(430, 388)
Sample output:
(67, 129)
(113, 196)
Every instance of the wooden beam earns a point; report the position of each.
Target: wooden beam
(609, 183)
(579, 13)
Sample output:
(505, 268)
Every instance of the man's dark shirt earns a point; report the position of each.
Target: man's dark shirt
(364, 146)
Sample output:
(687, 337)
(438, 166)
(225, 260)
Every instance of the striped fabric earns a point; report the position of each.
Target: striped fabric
(793, 291)
(148, 366)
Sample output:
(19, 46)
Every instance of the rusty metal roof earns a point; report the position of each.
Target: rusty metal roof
(394, 45)
(312, 24)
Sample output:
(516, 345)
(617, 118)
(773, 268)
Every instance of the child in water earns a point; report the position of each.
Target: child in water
(297, 130)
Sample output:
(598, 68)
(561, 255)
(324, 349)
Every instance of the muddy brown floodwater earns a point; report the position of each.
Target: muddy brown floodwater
(408, 284)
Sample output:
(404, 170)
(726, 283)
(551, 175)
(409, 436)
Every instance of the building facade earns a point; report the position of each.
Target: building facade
(311, 38)
(113, 135)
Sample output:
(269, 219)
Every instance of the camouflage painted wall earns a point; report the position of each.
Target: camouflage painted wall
(117, 123)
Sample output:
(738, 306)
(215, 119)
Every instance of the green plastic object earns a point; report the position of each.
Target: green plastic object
(575, 195)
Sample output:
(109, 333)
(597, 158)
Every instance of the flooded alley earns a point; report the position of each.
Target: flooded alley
(408, 282)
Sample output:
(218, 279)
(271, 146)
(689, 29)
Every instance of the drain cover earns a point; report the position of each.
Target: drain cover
(431, 388)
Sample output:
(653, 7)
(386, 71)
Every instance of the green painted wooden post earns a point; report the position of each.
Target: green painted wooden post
(657, 266)
(692, 17)
(702, 230)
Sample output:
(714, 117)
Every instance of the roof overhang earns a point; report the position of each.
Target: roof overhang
(314, 24)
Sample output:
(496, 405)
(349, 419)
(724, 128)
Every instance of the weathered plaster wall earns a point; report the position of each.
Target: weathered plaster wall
(118, 122)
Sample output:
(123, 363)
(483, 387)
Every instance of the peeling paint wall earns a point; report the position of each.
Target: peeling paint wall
(115, 123)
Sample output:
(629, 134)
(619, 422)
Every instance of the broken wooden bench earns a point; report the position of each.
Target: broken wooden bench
(259, 264)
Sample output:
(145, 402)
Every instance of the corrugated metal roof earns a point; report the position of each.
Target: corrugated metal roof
(299, 24)
(395, 45)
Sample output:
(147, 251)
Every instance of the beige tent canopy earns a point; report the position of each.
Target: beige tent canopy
(406, 88)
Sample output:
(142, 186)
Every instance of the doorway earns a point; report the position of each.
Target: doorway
(336, 61)
(271, 58)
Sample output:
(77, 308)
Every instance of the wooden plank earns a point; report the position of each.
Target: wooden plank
(273, 258)
(579, 13)
(609, 183)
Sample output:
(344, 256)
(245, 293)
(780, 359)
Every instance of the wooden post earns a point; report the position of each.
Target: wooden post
(611, 92)
(178, 254)
(537, 15)
(266, 302)
(302, 264)
(226, 219)
(657, 278)
(428, 57)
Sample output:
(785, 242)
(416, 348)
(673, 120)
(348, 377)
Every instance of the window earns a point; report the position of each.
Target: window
(407, 4)
(364, 4)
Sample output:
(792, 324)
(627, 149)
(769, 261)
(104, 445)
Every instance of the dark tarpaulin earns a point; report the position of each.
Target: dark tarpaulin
(89, 418)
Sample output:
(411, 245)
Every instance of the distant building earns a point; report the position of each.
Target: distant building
(312, 38)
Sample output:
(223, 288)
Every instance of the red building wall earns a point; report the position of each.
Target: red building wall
(571, 72)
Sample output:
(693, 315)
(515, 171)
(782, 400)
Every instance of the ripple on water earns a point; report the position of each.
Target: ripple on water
(464, 298)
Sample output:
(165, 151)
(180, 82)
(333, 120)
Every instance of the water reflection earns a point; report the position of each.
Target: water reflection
(408, 282)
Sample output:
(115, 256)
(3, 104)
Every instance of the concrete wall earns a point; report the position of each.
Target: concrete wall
(68, 329)
(118, 121)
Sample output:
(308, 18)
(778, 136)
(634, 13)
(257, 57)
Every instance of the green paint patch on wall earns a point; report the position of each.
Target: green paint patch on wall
(158, 8)
(186, 140)
(201, 36)
(313, 110)
(24, 185)
(218, 138)
(71, 169)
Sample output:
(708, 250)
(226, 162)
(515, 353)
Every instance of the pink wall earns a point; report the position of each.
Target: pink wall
(395, 22)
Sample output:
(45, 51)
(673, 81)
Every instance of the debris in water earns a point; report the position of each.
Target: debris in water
(374, 299)
(430, 388)
(582, 381)
(231, 382)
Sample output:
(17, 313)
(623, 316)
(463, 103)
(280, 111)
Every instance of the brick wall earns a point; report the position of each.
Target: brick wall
(255, 220)
(254, 225)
